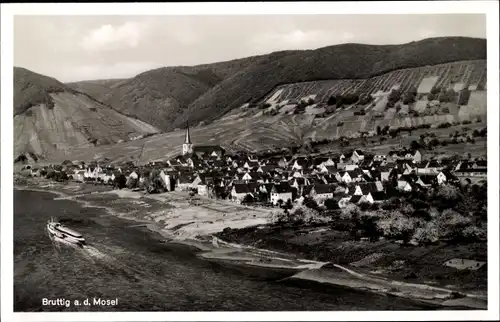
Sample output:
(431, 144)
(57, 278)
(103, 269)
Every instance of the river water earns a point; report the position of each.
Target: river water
(132, 265)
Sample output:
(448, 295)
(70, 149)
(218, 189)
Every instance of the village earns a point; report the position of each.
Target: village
(332, 181)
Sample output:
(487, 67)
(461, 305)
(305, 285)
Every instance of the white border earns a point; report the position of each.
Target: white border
(423, 7)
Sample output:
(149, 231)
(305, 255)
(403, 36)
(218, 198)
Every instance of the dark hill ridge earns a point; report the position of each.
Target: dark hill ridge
(170, 96)
(32, 89)
(161, 96)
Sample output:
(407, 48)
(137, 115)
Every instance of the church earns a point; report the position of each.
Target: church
(200, 151)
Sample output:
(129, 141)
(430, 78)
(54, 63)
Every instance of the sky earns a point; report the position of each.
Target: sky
(74, 48)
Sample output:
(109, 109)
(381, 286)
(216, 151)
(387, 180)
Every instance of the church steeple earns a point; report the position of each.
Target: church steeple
(187, 147)
(188, 137)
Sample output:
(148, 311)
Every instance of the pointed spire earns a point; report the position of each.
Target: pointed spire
(188, 137)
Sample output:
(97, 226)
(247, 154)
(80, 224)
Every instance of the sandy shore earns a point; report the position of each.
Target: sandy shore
(193, 224)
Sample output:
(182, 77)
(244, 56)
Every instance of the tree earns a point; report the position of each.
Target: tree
(288, 204)
(331, 204)
(120, 181)
(332, 100)
(280, 202)
(247, 199)
(310, 203)
(132, 183)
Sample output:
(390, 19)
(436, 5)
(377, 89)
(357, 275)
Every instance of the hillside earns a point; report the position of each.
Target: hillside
(160, 96)
(169, 97)
(348, 61)
(281, 122)
(49, 116)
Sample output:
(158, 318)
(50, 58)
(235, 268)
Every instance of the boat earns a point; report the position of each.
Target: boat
(61, 233)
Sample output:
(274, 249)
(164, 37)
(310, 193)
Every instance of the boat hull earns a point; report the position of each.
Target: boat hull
(61, 236)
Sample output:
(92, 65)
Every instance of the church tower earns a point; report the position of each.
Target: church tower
(187, 147)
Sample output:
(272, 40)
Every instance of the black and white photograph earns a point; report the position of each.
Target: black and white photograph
(246, 161)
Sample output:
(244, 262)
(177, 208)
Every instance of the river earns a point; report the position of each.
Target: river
(131, 264)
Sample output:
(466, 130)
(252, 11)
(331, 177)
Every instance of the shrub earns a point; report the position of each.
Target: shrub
(451, 225)
(120, 181)
(396, 226)
(350, 212)
(310, 203)
(299, 214)
(428, 234)
(331, 204)
(473, 233)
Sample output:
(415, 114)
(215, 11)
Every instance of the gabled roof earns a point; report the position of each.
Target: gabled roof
(370, 187)
(283, 187)
(427, 179)
(378, 195)
(324, 188)
(433, 164)
(355, 199)
(242, 188)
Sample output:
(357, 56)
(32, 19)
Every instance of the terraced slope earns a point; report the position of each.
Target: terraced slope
(347, 61)
(468, 73)
(49, 116)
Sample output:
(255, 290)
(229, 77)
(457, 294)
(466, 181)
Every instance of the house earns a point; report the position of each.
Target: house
(240, 191)
(299, 164)
(355, 199)
(426, 180)
(365, 188)
(378, 196)
(209, 150)
(357, 156)
(404, 186)
(251, 165)
(441, 178)
(133, 175)
(417, 156)
(282, 191)
(385, 173)
(79, 175)
(184, 182)
(246, 177)
(202, 187)
(343, 200)
(168, 181)
(366, 198)
(321, 192)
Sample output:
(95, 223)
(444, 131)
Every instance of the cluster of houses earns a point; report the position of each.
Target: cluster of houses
(347, 178)
(354, 177)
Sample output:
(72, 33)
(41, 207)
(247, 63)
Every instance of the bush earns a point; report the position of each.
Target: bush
(331, 204)
(397, 226)
(451, 225)
(310, 203)
(120, 181)
(428, 234)
(298, 215)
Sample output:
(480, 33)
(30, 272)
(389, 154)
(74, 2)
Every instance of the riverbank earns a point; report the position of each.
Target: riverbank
(280, 254)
